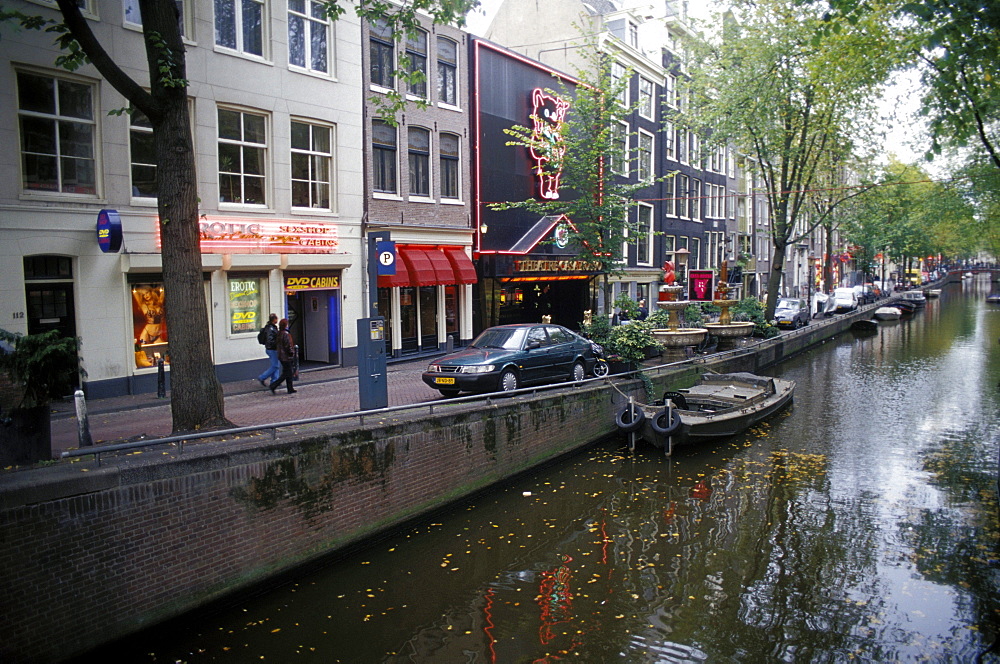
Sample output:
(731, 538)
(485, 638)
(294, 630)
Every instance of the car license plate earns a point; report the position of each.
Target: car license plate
(442, 380)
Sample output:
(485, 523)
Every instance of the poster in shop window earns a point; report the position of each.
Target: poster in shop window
(244, 305)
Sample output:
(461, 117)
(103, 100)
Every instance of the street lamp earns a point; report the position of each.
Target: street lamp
(682, 261)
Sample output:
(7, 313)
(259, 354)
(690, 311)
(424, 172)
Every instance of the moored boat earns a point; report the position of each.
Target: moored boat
(904, 306)
(914, 296)
(717, 406)
(864, 325)
(932, 292)
(888, 313)
(993, 298)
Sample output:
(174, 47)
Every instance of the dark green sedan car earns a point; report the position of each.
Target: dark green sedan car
(507, 357)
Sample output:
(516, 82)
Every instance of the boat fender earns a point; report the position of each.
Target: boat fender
(677, 398)
(666, 422)
(625, 419)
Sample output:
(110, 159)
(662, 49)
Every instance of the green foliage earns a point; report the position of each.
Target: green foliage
(750, 309)
(630, 341)
(628, 306)
(43, 365)
(692, 315)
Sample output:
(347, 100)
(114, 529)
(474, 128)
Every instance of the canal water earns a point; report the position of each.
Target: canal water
(859, 525)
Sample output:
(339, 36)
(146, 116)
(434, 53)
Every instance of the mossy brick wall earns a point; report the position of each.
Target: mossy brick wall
(89, 554)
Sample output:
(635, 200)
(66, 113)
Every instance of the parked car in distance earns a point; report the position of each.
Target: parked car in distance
(506, 357)
(791, 312)
(846, 299)
(865, 294)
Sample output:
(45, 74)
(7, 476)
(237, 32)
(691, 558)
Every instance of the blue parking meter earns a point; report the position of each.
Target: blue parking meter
(373, 390)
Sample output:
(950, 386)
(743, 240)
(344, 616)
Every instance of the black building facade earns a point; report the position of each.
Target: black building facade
(526, 270)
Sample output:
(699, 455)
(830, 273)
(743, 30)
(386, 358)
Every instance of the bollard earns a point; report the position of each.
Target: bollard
(82, 423)
(161, 380)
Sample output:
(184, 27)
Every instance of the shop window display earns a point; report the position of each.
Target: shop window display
(245, 306)
(149, 325)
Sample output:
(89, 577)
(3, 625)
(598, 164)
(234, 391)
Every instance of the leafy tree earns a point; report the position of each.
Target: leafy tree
(595, 200)
(792, 97)
(196, 395)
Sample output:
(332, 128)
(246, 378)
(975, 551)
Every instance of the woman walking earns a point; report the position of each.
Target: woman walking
(286, 355)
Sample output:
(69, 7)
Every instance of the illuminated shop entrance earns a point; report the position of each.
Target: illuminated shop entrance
(314, 308)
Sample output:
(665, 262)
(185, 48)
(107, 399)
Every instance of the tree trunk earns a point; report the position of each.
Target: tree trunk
(774, 279)
(196, 398)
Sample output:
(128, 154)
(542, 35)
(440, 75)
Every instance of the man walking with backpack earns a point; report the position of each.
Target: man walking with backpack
(268, 337)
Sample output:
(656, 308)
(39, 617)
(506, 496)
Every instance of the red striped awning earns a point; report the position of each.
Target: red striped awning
(465, 271)
(429, 266)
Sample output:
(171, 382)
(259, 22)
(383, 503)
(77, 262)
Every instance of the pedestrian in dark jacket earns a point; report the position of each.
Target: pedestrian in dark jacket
(286, 355)
(271, 348)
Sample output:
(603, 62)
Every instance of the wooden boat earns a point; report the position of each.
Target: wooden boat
(888, 313)
(717, 406)
(905, 306)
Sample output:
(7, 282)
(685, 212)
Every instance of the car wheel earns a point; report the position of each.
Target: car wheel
(449, 394)
(578, 373)
(601, 369)
(508, 381)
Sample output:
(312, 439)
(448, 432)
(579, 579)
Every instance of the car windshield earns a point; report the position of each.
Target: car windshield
(788, 304)
(509, 338)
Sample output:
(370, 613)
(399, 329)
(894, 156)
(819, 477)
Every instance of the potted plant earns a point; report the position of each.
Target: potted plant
(36, 368)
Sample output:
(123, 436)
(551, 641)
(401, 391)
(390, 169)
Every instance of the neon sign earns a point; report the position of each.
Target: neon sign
(547, 144)
(265, 236)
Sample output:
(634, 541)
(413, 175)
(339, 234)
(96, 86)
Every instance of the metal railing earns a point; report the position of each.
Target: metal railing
(360, 415)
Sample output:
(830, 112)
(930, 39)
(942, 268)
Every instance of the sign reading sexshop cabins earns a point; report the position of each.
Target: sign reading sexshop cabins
(244, 305)
(265, 236)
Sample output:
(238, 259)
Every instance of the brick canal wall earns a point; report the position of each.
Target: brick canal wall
(89, 554)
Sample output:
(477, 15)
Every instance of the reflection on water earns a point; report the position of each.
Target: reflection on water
(860, 524)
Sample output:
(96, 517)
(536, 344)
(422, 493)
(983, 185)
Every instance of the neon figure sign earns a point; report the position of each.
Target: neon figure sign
(548, 148)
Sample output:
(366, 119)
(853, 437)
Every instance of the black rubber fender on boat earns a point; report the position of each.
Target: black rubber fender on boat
(625, 419)
(666, 422)
(677, 398)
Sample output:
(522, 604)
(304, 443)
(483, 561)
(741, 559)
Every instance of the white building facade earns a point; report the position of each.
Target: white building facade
(276, 103)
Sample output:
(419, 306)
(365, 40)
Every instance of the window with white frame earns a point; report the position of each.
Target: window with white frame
(670, 90)
(133, 17)
(309, 35)
(644, 229)
(645, 156)
(449, 150)
(670, 191)
(142, 155)
(669, 249)
(384, 152)
(646, 98)
(382, 50)
(695, 199)
(619, 148)
(447, 67)
(694, 261)
(682, 195)
(87, 7)
(633, 35)
(416, 53)
(682, 145)
(670, 136)
(419, 150)
(619, 83)
(241, 25)
(695, 148)
(312, 165)
(58, 134)
(242, 157)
